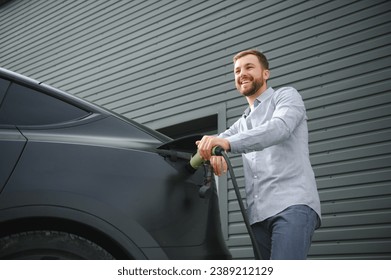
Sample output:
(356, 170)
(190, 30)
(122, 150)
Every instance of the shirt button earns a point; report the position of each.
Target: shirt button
(256, 196)
(255, 177)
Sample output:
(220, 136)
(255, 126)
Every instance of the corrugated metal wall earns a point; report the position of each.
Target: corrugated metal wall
(162, 62)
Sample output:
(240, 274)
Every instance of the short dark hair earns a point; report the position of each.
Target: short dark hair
(261, 57)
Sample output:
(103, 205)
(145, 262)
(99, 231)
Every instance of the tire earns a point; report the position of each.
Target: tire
(50, 245)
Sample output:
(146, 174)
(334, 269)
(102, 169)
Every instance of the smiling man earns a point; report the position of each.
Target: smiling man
(282, 199)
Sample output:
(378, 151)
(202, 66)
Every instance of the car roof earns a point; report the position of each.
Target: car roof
(70, 98)
(45, 88)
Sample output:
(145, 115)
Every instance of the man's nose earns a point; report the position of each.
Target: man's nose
(243, 75)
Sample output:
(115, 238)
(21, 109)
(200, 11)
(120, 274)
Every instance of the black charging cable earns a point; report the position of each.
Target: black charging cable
(218, 151)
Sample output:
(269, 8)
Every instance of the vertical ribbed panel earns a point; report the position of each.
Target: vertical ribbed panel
(155, 60)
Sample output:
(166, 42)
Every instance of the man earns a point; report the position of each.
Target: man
(282, 199)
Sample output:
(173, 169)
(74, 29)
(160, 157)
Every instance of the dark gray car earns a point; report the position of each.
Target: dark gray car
(79, 182)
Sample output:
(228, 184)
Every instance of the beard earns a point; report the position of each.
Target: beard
(256, 84)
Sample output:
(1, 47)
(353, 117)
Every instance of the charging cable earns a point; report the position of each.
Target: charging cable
(196, 161)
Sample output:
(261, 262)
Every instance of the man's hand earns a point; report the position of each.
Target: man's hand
(218, 164)
(207, 143)
(205, 146)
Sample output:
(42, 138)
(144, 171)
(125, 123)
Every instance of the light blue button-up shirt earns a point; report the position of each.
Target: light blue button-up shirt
(273, 140)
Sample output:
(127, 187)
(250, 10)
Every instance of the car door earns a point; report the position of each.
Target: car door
(12, 143)
(21, 106)
(11, 146)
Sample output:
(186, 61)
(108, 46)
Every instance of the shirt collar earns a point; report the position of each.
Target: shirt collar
(265, 95)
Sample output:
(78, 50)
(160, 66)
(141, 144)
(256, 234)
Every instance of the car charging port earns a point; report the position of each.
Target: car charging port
(205, 190)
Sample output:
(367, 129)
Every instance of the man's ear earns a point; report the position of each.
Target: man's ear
(266, 74)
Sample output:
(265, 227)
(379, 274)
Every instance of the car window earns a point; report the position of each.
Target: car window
(3, 88)
(26, 106)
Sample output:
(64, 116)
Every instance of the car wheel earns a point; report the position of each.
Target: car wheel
(50, 245)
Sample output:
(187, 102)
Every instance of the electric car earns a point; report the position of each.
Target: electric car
(78, 181)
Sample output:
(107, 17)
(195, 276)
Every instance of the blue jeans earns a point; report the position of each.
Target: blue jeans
(287, 235)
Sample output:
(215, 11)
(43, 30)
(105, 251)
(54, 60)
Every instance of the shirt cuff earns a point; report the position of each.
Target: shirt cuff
(236, 144)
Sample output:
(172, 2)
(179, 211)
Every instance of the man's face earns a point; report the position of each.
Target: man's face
(250, 78)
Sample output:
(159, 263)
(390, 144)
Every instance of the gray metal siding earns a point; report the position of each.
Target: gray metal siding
(160, 62)
(340, 62)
